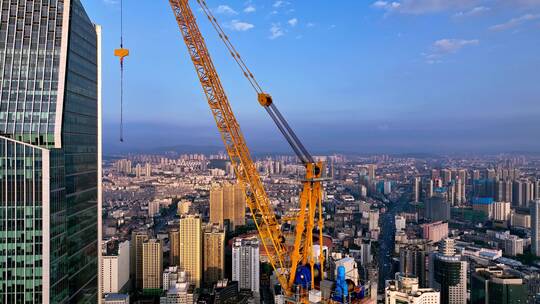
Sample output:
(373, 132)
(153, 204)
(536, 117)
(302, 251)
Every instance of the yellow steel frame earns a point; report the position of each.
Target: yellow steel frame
(271, 236)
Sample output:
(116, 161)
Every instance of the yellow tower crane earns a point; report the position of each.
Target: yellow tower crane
(295, 266)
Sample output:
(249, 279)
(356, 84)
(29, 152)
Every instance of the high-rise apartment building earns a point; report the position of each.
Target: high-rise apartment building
(191, 242)
(435, 232)
(537, 189)
(50, 152)
(503, 191)
(462, 176)
(152, 265)
(227, 202)
(417, 189)
(535, 227)
(501, 211)
(214, 254)
(245, 263)
(522, 193)
(115, 269)
(446, 176)
(405, 290)
(174, 241)
(373, 220)
(372, 168)
(136, 257)
(438, 206)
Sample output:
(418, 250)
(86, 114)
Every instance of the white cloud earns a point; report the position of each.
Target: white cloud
(386, 5)
(293, 22)
(250, 9)
(276, 31)
(424, 6)
(458, 7)
(443, 47)
(239, 26)
(280, 3)
(310, 24)
(514, 22)
(225, 10)
(478, 10)
(110, 2)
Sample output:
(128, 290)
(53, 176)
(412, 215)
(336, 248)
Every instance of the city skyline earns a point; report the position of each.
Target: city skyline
(352, 64)
(419, 181)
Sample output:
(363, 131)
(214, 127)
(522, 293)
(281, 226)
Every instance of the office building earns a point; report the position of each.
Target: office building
(406, 290)
(492, 285)
(535, 227)
(214, 254)
(245, 263)
(190, 233)
(227, 202)
(448, 274)
(152, 265)
(413, 263)
(136, 257)
(50, 153)
(115, 269)
(174, 243)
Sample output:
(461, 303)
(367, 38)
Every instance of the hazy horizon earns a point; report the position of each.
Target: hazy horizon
(402, 76)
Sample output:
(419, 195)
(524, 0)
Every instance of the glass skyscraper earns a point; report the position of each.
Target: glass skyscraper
(49, 152)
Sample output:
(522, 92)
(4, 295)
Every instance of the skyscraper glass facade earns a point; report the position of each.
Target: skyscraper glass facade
(48, 152)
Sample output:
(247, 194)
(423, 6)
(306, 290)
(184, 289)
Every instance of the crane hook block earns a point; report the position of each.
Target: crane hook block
(121, 53)
(265, 99)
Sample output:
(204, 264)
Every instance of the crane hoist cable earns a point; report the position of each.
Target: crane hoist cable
(264, 99)
(121, 53)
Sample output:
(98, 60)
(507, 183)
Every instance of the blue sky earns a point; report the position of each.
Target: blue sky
(350, 75)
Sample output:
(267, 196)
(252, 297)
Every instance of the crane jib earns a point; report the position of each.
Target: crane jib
(285, 261)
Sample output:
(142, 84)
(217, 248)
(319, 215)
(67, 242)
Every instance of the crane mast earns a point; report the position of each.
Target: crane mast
(285, 262)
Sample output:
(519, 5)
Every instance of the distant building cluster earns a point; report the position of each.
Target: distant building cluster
(401, 229)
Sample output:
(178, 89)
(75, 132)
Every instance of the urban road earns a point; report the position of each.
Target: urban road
(387, 239)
